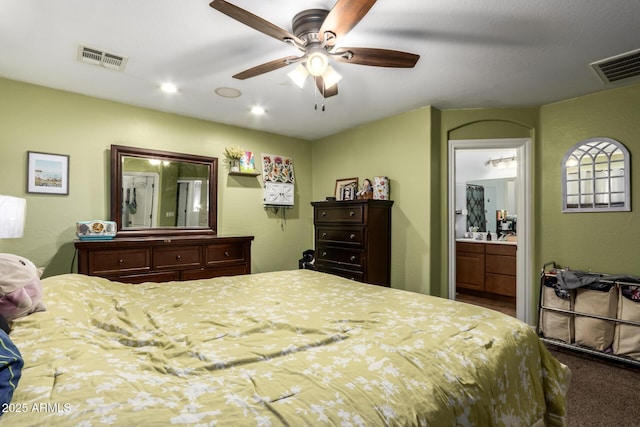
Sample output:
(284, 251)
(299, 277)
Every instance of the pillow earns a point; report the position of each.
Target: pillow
(10, 368)
(20, 287)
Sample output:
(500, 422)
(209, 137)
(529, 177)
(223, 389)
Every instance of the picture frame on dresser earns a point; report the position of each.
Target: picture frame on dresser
(346, 188)
(47, 173)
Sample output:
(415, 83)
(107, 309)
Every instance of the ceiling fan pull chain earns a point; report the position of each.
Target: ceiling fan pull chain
(315, 99)
(323, 93)
(315, 94)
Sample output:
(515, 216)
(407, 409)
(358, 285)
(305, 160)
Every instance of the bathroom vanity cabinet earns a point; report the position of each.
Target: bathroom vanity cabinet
(486, 267)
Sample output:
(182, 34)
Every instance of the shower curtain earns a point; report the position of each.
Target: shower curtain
(475, 207)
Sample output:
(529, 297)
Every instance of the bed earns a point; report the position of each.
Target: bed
(296, 348)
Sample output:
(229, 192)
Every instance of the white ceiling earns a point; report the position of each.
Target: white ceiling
(474, 54)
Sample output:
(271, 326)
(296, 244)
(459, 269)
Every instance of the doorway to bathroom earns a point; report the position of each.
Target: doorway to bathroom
(489, 224)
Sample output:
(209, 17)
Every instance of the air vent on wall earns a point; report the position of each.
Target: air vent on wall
(93, 56)
(617, 68)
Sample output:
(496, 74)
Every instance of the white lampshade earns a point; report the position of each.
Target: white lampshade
(299, 75)
(12, 216)
(331, 77)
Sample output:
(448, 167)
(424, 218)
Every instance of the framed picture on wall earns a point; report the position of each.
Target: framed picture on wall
(346, 188)
(47, 173)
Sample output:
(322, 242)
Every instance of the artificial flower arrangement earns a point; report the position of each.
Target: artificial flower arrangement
(234, 154)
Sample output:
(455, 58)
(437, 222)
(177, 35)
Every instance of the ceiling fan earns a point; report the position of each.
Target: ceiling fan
(315, 33)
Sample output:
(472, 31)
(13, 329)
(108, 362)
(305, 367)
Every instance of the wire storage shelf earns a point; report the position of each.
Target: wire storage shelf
(590, 312)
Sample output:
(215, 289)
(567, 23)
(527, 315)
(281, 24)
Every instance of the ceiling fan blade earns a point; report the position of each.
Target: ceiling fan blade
(344, 15)
(375, 57)
(326, 92)
(254, 21)
(265, 68)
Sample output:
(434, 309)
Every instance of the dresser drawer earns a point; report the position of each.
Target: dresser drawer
(342, 272)
(354, 258)
(352, 214)
(208, 273)
(165, 276)
(225, 253)
(107, 262)
(348, 236)
(171, 257)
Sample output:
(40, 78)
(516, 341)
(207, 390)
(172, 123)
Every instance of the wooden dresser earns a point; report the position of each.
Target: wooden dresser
(166, 258)
(353, 239)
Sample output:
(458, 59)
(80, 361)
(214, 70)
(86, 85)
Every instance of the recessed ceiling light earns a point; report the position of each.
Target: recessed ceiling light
(228, 92)
(258, 111)
(169, 88)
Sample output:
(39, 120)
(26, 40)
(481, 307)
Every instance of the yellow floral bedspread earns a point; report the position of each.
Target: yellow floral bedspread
(296, 348)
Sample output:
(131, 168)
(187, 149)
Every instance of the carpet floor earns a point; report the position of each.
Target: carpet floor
(601, 393)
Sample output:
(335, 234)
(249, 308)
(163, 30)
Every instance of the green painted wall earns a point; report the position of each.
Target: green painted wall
(47, 120)
(398, 147)
(603, 241)
(410, 148)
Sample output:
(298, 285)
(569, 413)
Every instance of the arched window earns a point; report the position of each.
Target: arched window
(596, 177)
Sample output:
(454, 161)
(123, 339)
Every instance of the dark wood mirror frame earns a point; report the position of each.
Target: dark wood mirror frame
(117, 154)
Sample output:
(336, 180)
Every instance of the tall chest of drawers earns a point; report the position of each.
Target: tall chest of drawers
(162, 259)
(353, 239)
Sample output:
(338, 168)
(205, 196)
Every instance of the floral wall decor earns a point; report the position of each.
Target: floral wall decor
(278, 180)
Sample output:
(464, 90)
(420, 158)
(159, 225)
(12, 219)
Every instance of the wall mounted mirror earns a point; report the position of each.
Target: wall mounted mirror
(486, 196)
(596, 177)
(159, 192)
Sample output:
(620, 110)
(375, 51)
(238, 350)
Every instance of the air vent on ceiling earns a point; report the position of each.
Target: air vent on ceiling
(97, 57)
(617, 68)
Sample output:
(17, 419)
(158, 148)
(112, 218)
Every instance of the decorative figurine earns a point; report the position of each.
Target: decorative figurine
(366, 192)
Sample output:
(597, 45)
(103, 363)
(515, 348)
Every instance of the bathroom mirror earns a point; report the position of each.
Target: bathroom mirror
(485, 196)
(159, 192)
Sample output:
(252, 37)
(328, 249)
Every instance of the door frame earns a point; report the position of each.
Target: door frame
(524, 188)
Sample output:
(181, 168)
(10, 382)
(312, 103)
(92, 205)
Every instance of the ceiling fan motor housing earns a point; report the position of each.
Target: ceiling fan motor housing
(307, 23)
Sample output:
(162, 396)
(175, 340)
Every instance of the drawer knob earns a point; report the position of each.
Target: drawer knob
(324, 234)
(120, 261)
(323, 213)
(226, 253)
(178, 257)
(352, 236)
(353, 257)
(352, 213)
(324, 254)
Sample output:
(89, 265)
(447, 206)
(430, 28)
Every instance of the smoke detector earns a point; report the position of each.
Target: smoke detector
(93, 56)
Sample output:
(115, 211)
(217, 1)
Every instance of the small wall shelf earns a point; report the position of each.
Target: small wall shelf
(244, 173)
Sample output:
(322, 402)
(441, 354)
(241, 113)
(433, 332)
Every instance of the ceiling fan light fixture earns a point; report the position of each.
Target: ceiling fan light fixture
(299, 75)
(331, 77)
(317, 63)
